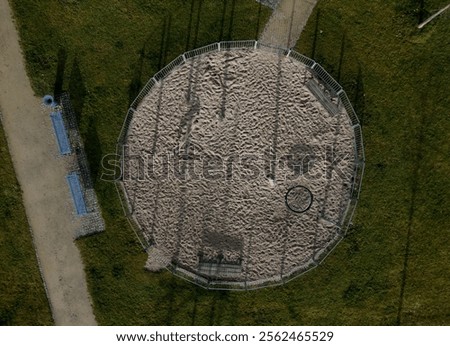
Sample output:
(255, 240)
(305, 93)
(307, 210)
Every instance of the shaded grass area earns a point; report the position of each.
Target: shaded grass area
(22, 296)
(390, 269)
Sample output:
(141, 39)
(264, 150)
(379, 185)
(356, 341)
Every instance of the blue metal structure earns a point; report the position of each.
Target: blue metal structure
(77, 193)
(61, 133)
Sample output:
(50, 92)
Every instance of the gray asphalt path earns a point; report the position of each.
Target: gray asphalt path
(41, 175)
(287, 22)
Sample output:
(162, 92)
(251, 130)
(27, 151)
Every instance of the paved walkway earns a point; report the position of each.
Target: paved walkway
(287, 22)
(41, 175)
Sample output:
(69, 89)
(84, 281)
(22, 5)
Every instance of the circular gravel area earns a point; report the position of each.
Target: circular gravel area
(211, 153)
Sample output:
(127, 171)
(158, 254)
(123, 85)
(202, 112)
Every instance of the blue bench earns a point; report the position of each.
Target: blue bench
(77, 193)
(61, 134)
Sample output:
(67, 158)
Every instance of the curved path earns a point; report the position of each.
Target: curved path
(41, 174)
(287, 22)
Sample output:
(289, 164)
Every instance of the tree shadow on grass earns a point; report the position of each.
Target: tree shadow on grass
(359, 102)
(231, 24)
(220, 301)
(93, 149)
(60, 69)
(197, 24)
(316, 31)
(136, 82)
(215, 315)
(166, 303)
(77, 89)
(145, 55)
(189, 27)
(165, 41)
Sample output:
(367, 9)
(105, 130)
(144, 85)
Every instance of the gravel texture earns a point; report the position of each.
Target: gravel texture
(212, 151)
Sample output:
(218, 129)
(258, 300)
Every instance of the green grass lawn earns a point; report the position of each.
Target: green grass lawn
(22, 295)
(399, 80)
(392, 268)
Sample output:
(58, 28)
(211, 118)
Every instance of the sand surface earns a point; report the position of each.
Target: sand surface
(41, 174)
(198, 176)
(287, 22)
